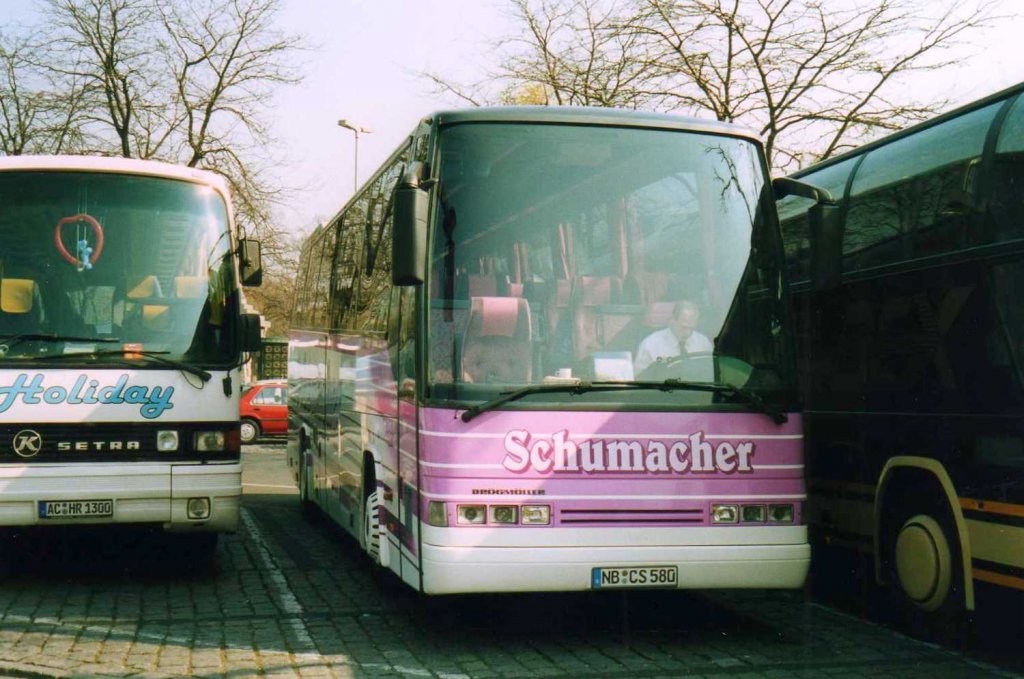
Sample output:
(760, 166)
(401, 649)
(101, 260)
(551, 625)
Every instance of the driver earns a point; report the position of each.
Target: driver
(681, 336)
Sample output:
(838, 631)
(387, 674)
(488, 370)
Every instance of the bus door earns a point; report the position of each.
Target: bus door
(403, 511)
(341, 450)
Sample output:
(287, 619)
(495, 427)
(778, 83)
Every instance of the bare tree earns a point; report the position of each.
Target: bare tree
(813, 78)
(568, 54)
(21, 107)
(186, 81)
(34, 116)
(226, 57)
(276, 297)
(107, 44)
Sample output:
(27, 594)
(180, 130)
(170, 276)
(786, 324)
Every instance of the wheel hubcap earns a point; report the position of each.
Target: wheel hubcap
(924, 562)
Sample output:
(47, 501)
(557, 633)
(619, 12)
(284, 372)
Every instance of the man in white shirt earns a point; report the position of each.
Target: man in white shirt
(680, 335)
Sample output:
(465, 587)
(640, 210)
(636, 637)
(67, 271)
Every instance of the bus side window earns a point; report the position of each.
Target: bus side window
(1006, 205)
(913, 197)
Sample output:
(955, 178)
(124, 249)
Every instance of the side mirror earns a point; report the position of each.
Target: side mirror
(249, 333)
(250, 262)
(826, 231)
(826, 235)
(409, 245)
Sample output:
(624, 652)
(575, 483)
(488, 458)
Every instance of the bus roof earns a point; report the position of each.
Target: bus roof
(578, 115)
(913, 129)
(115, 165)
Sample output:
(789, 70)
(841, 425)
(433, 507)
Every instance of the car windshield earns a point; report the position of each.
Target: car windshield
(92, 261)
(566, 252)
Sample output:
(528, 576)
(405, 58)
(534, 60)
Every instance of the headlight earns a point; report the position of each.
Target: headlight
(198, 508)
(725, 513)
(503, 513)
(780, 513)
(472, 514)
(536, 515)
(167, 440)
(437, 513)
(753, 513)
(209, 441)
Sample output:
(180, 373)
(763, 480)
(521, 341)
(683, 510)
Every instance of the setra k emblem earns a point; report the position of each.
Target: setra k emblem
(27, 443)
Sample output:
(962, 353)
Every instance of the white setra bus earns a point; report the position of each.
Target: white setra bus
(121, 335)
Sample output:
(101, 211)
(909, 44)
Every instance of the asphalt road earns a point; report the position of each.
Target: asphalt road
(288, 597)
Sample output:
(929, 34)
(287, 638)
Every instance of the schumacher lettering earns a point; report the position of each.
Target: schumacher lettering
(691, 454)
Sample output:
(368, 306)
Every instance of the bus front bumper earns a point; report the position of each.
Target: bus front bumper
(155, 494)
(467, 569)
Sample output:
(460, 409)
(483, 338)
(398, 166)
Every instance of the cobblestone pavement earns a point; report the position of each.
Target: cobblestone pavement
(286, 598)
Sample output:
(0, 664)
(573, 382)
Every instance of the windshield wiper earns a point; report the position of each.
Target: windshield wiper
(152, 355)
(777, 415)
(12, 340)
(672, 384)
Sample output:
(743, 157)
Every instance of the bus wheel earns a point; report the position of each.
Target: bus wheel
(927, 574)
(250, 430)
(371, 527)
(924, 562)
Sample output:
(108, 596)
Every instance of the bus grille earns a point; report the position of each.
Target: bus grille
(632, 516)
(95, 442)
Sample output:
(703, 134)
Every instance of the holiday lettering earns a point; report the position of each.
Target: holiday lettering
(152, 401)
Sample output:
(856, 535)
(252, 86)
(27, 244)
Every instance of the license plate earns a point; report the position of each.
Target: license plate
(75, 509)
(634, 577)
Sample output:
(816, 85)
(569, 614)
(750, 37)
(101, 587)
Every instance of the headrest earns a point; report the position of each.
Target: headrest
(147, 287)
(598, 290)
(156, 316)
(190, 287)
(498, 315)
(17, 295)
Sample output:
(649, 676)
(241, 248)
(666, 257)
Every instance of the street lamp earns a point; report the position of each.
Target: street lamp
(356, 129)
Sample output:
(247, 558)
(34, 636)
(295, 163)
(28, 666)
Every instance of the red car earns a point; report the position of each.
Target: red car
(264, 410)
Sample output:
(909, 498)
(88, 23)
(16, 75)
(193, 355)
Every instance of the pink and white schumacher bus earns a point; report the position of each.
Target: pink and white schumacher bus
(468, 391)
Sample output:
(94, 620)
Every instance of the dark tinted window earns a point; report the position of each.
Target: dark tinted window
(362, 276)
(1007, 200)
(913, 197)
(793, 215)
(314, 280)
(930, 340)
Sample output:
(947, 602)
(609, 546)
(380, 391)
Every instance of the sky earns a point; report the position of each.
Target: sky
(366, 59)
(364, 67)
(363, 59)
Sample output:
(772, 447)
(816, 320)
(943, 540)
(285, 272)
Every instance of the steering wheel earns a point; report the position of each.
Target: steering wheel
(698, 365)
(87, 255)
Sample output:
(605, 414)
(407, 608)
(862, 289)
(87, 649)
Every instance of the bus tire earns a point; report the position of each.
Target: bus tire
(250, 430)
(926, 573)
(371, 527)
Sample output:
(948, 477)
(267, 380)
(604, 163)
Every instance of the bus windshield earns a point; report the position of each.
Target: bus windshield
(93, 263)
(566, 253)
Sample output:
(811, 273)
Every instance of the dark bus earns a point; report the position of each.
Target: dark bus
(912, 362)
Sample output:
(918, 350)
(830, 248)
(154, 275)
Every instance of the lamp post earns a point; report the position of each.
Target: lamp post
(356, 129)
